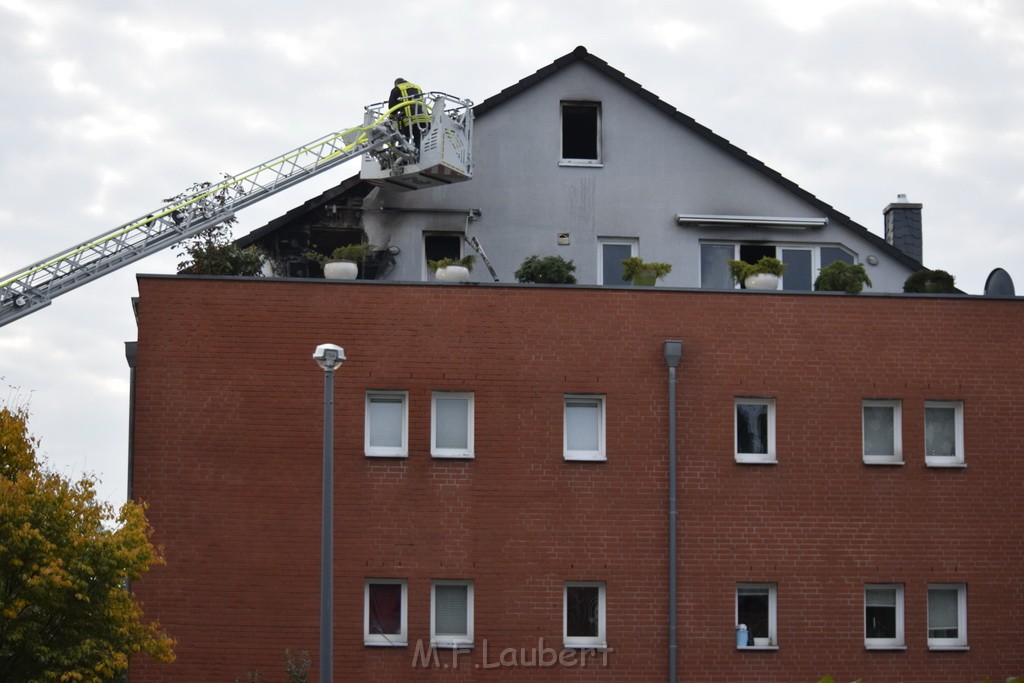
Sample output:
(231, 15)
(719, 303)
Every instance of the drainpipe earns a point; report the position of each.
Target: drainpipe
(673, 354)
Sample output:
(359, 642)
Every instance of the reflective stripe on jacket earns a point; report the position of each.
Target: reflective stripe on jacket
(414, 113)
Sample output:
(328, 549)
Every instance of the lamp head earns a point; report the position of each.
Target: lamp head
(673, 353)
(329, 356)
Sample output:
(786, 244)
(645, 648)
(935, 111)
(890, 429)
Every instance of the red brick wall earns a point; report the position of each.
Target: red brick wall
(228, 446)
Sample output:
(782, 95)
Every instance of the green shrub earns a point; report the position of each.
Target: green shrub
(927, 281)
(546, 269)
(840, 276)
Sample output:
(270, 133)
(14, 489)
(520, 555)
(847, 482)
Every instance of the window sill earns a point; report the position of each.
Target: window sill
(387, 455)
(949, 648)
(586, 458)
(447, 456)
(759, 648)
(884, 648)
(451, 645)
(374, 643)
(580, 163)
(743, 460)
(941, 464)
(885, 463)
(585, 646)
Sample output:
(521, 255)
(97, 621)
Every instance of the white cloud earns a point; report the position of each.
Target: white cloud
(66, 77)
(109, 108)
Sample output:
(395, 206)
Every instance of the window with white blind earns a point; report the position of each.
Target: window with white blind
(584, 428)
(944, 433)
(947, 616)
(883, 616)
(387, 423)
(451, 613)
(385, 612)
(451, 425)
(883, 440)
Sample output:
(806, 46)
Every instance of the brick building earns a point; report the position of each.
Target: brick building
(849, 474)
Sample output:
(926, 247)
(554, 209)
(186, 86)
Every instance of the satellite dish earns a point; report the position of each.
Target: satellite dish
(999, 283)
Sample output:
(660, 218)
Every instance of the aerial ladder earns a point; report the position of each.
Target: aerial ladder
(390, 158)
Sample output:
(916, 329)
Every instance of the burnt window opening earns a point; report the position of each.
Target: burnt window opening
(581, 132)
(437, 247)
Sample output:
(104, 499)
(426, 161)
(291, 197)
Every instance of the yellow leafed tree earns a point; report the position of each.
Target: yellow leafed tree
(66, 611)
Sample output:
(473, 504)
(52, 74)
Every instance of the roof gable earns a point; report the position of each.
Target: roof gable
(581, 55)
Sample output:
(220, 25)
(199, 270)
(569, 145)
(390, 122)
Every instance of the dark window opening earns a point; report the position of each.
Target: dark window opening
(582, 611)
(752, 610)
(752, 428)
(580, 131)
(880, 622)
(385, 608)
(752, 253)
(437, 247)
(326, 240)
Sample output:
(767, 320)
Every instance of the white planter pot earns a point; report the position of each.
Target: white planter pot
(341, 270)
(453, 274)
(762, 281)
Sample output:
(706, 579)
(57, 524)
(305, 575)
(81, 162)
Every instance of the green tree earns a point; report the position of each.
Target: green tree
(212, 252)
(66, 612)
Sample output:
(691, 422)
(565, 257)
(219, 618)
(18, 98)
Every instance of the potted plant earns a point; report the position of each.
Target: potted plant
(927, 281)
(764, 274)
(643, 273)
(547, 270)
(452, 270)
(840, 276)
(343, 262)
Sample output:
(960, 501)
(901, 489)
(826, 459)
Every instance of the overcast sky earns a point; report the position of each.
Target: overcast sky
(108, 108)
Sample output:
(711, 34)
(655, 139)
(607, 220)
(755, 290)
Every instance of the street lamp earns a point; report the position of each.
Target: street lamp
(328, 357)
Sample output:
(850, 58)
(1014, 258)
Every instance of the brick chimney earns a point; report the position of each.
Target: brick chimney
(903, 227)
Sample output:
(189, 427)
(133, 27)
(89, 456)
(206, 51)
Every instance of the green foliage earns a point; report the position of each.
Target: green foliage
(465, 261)
(212, 252)
(741, 270)
(547, 269)
(930, 282)
(634, 267)
(840, 276)
(356, 253)
(297, 669)
(17, 446)
(65, 560)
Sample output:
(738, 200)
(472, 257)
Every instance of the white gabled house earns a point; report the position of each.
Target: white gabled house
(579, 161)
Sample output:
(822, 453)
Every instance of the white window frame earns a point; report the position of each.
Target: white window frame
(634, 248)
(897, 433)
(439, 452)
(960, 642)
(451, 640)
(957, 459)
(897, 643)
(400, 451)
(771, 642)
(575, 454)
(571, 161)
(380, 639)
(769, 458)
(600, 640)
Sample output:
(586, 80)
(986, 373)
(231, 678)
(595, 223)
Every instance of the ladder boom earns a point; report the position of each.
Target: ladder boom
(203, 206)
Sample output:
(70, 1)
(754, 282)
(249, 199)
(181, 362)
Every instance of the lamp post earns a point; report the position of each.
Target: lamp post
(328, 357)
